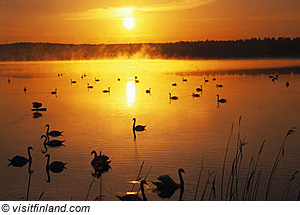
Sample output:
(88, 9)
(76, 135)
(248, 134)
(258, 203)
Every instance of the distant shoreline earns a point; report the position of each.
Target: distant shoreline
(254, 48)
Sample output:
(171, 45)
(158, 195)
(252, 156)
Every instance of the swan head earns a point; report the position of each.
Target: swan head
(30, 148)
(43, 136)
(144, 182)
(181, 170)
(134, 119)
(47, 125)
(217, 95)
(93, 152)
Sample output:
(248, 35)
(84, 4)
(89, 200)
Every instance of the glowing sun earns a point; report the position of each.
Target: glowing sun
(129, 23)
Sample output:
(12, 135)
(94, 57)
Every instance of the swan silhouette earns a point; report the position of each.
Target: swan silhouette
(138, 127)
(36, 104)
(214, 79)
(167, 186)
(195, 95)
(221, 100)
(54, 92)
(199, 89)
(53, 133)
(219, 85)
(20, 161)
(96, 79)
(135, 197)
(205, 80)
(25, 89)
(55, 166)
(89, 86)
(172, 97)
(119, 79)
(148, 91)
(184, 79)
(106, 91)
(8, 81)
(51, 143)
(174, 84)
(101, 164)
(73, 82)
(287, 84)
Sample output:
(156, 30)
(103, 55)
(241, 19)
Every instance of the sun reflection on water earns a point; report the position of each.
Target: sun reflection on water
(130, 86)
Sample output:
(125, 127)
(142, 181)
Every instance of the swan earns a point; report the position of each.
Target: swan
(25, 89)
(36, 104)
(51, 143)
(89, 86)
(53, 133)
(287, 84)
(82, 77)
(8, 80)
(184, 79)
(195, 95)
(167, 186)
(101, 164)
(73, 82)
(205, 80)
(219, 85)
(173, 97)
(135, 197)
(214, 79)
(106, 91)
(148, 91)
(221, 100)
(55, 166)
(119, 79)
(54, 92)
(20, 161)
(174, 84)
(199, 89)
(138, 127)
(96, 79)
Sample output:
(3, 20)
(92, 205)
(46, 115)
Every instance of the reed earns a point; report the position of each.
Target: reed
(199, 178)
(279, 156)
(89, 189)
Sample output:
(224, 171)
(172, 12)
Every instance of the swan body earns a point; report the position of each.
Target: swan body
(55, 166)
(138, 127)
(148, 91)
(53, 133)
(51, 143)
(89, 86)
(174, 84)
(205, 80)
(199, 89)
(54, 92)
(219, 85)
(8, 80)
(73, 82)
(184, 79)
(96, 79)
(25, 89)
(221, 100)
(135, 197)
(36, 104)
(287, 84)
(172, 97)
(20, 161)
(167, 186)
(195, 95)
(106, 91)
(101, 164)
(119, 79)
(214, 79)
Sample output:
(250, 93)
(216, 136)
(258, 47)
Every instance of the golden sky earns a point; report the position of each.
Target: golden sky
(102, 21)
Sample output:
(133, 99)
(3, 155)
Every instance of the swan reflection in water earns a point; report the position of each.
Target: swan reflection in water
(55, 167)
(166, 186)
(37, 115)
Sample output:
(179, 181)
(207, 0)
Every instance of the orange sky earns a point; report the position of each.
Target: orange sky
(99, 21)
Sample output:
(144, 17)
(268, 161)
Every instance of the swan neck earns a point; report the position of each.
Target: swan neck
(48, 160)
(133, 124)
(181, 185)
(47, 129)
(29, 155)
(143, 192)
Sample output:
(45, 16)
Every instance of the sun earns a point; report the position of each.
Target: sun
(129, 23)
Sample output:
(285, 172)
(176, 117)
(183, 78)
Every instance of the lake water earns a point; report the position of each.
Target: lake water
(179, 133)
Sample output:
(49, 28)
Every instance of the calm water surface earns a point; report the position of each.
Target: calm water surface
(179, 133)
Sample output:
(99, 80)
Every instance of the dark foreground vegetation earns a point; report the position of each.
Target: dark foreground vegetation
(209, 49)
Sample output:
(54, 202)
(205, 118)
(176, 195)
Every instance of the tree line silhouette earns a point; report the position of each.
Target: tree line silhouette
(282, 47)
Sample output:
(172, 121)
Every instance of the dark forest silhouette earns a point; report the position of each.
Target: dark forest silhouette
(209, 49)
